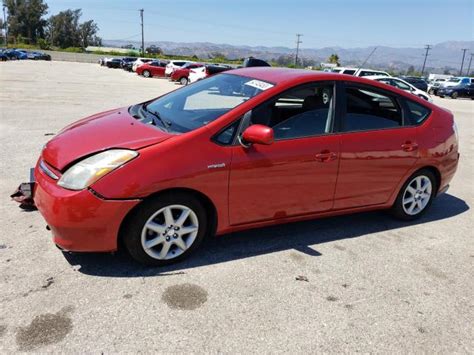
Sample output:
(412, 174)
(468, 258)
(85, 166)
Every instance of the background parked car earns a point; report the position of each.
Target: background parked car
(128, 65)
(114, 63)
(15, 54)
(103, 61)
(175, 64)
(205, 71)
(139, 62)
(182, 74)
(462, 90)
(153, 68)
(456, 81)
(434, 85)
(402, 85)
(359, 71)
(417, 82)
(254, 62)
(127, 60)
(3, 57)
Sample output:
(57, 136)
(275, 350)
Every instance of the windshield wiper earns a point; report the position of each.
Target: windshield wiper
(156, 115)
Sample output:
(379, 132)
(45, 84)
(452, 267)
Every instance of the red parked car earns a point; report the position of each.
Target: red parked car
(247, 148)
(181, 75)
(154, 68)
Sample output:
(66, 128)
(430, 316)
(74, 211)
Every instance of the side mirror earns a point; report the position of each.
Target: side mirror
(257, 134)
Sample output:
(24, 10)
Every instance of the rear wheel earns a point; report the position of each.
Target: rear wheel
(166, 229)
(146, 74)
(454, 95)
(183, 81)
(416, 196)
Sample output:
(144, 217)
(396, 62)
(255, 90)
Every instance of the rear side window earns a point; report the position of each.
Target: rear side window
(370, 110)
(417, 113)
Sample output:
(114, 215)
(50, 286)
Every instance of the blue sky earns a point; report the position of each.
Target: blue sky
(345, 23)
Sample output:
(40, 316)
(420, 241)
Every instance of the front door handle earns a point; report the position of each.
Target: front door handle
(326, 156)
(409, 146)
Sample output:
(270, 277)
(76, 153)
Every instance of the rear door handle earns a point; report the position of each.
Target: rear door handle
(409, 146)
(326, 156)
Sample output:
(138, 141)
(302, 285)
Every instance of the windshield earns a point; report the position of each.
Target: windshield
(454, 80)
(197, 105)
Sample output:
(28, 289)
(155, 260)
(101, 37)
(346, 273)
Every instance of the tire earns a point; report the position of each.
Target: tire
(410, 203)
(183, 81)
(146, 74)
(148, 223)
(454, 95)
(431, 92)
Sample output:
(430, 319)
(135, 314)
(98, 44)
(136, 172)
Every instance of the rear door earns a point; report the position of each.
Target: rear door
(378, 147)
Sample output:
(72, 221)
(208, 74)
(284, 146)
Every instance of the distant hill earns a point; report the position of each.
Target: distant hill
(445, 55)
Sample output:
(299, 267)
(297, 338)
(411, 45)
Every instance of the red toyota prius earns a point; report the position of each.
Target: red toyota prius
(247, 148)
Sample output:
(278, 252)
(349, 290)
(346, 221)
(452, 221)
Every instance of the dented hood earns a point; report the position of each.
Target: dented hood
(111, 129)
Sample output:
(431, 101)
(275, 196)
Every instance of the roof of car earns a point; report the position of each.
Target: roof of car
(279, 75)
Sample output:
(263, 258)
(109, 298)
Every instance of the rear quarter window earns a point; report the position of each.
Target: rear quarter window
(417, 113)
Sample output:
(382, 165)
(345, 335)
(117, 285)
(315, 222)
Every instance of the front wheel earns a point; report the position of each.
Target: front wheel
(146, 74)
(416, 196)
(183, 81)
(166, 229)
(454, 95)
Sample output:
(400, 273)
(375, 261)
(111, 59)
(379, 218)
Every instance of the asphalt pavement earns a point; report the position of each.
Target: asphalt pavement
(358, 283)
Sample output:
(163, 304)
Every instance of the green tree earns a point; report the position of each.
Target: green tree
(88, 32)
(25, 18)
(66, 31)
(334, 58)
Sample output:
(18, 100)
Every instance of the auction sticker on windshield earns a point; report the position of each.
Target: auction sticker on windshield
(262, 85)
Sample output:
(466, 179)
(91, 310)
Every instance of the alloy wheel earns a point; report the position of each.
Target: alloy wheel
(169, 232)
(417, 195)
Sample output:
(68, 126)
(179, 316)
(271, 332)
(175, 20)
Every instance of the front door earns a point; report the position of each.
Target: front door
(295, 175)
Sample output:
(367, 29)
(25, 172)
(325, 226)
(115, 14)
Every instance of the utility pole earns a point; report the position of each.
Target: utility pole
(462, 63)
(427, 47)
(143, 35)
(298, 42)
(469, 66)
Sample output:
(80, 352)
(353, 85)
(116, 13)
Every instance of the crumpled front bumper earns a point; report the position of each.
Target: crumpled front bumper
(80, 221)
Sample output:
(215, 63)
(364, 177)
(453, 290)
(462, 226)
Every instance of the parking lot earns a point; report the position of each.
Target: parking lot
(359, 283)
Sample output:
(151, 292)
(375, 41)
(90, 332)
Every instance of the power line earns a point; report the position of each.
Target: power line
(366, 59)
(143, 35)
(298, 42)
(427, 47)
(462, 63)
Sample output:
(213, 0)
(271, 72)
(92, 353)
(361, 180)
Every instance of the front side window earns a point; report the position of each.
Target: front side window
(370, 110)
(197, 105)
(301, 112)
